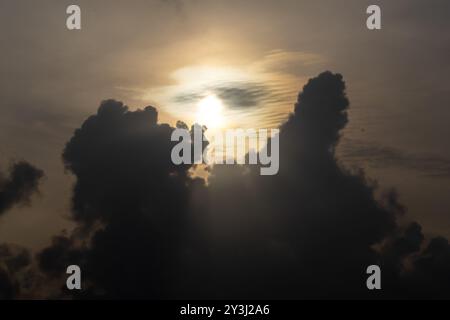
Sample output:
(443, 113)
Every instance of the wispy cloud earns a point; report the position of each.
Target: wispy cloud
(358, 152)
(258, 94)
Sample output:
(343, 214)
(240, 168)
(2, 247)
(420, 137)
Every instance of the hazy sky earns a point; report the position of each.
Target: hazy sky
(256, 55)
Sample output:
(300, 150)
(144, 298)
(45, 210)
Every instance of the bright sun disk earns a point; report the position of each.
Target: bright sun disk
(209, 112)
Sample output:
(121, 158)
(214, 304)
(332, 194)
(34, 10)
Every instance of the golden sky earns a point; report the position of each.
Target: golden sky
(251, 56)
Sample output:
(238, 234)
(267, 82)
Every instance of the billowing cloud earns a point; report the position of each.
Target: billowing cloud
(13, 261)
(148, 229)
(18, 187)
(131, 203)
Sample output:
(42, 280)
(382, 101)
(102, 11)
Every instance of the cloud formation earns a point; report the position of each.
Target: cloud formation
(16, 189)
(356, 152)
(236, 95)
(148, 229)
(131, 203)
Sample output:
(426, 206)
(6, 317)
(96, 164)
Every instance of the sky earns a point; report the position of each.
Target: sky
(254, 57)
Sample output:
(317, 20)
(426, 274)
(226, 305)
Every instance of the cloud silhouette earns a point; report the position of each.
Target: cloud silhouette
(18, 187)
(131, 203)
(14, 260)
(312, 226)
(149, 229)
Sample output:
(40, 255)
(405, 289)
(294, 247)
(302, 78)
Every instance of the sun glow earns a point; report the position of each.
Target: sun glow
(218, 96)
(210, 112)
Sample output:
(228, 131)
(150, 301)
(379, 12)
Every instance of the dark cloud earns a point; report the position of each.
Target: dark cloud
(23, 180)
(15, 258)
(131, 201)
(416, 268)
(312, 230)
(6, 286)
(55, 259)
(249, 95)
(147, 229)
(16, 189)
(312, 226)
(15, 264)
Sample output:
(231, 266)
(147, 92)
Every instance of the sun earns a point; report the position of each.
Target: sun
(210, 112)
